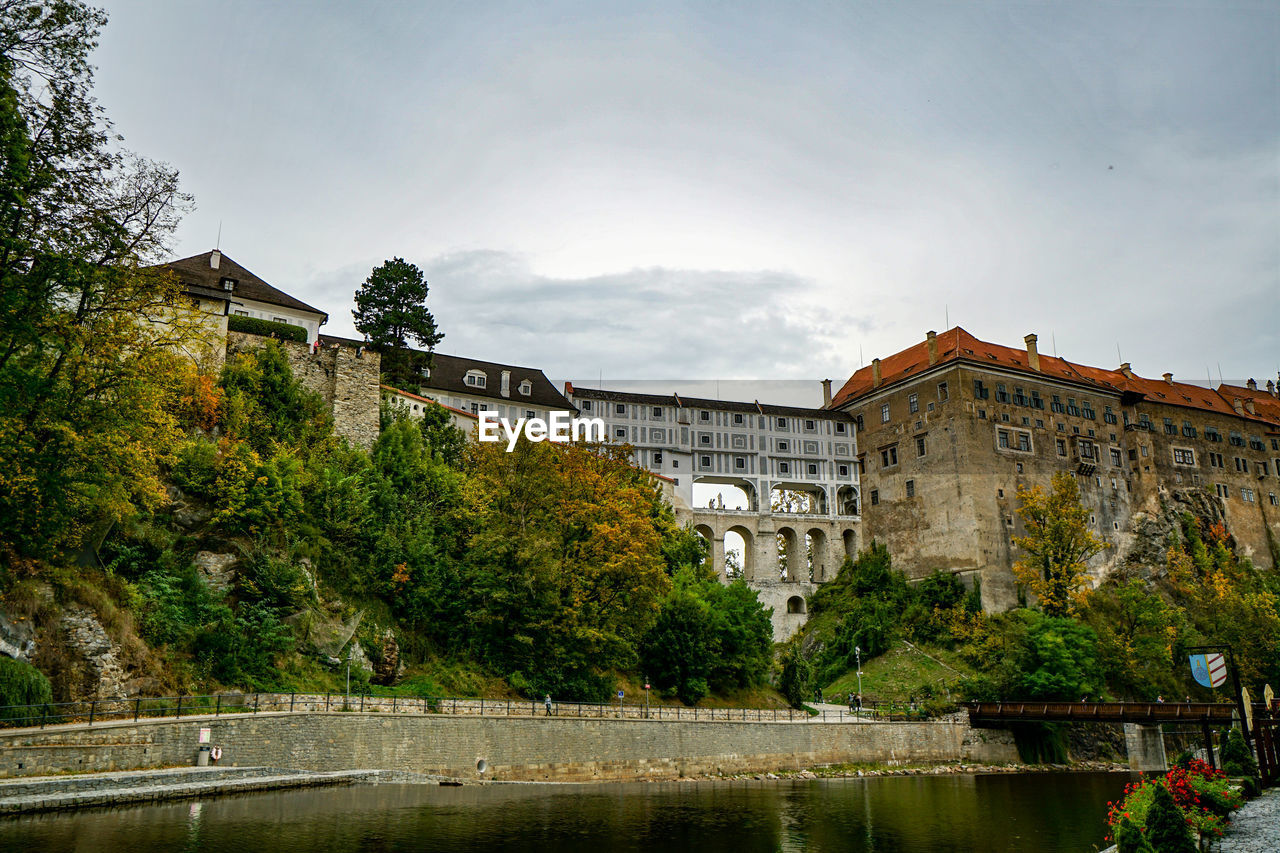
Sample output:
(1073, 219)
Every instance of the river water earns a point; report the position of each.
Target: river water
(931, 814)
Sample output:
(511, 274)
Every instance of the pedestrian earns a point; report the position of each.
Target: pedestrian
(547, 702)
(1160, 700)
(851, 705)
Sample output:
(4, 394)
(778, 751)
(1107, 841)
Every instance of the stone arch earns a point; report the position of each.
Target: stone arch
(747, 556)
(790, 554)
(819, 560)
(850, 537)
(795, 604)
(847, 500)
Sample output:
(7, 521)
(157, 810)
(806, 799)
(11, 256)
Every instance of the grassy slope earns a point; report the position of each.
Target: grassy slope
(899, 673)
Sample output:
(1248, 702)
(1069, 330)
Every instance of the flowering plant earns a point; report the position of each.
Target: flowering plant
(1201, 793)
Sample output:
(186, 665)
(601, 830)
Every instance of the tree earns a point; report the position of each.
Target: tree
(391, 312)
(1058, 545)
(797, 674)
(88, 339)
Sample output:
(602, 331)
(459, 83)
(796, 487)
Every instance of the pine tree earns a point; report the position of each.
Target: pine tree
(1167, 829)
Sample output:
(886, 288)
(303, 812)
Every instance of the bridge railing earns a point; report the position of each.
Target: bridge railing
(216, 705)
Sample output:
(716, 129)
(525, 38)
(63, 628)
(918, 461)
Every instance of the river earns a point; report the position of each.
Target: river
(930, 814)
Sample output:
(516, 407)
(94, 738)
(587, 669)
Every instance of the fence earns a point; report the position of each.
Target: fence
(136, 709)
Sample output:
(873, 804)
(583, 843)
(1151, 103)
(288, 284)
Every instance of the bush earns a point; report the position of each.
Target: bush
(267, 328)
(22, 684)
(796, 675)
(1167, 828)
(1130, 838)
(1236, 758)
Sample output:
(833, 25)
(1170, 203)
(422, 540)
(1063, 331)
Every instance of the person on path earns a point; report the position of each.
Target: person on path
(547, 702)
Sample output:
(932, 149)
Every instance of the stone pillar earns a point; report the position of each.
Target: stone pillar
(1145, 746)
(717, 555)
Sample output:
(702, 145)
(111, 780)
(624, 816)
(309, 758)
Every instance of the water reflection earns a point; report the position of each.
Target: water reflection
(1043, 812)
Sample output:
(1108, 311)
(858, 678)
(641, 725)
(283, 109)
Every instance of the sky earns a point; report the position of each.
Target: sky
(736, 191)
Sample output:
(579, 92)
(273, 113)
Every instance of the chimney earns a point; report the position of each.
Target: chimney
(932, 339)
(505, 388)
(215, 259)
(1126, 370)
(1248, 406)
(1168, 377)
(1271, 388)
(1236, 404)
(1251, 385)
(826, 393)
(875, 373)
(1033, 354)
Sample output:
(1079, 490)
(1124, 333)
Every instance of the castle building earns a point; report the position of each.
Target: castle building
(952, 427)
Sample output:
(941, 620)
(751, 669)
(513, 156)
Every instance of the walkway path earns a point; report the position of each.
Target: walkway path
(51, 793)
(1255, 828)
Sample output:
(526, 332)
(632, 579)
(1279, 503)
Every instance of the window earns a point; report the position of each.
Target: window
(737, 418)
(1212, 434)
(280, 320)
(240, 313)
(920, 445)
(526, 387)
(844, 470)
(913, 403)
(475, 408)
(911, 488)
(942, 392)
(1072, 408)
(813, 469)
(1242, 465)
(1026, 421)
(1256, 443)
(530, 413)
(1086, 409)
(1039, 423)
(839, 427)
(1215, 460)
(875, 497)
(1062, 447)
(980, 391)
(657, 457)
(1036, 401)
(1002, 396)
(1116, 459)
(1144, 421)
(810, 425)
(1024, 442)
(784, 467)
(784, 446)
(1108, 415)
(1247, 495)
(782, 423)
(884, 413)
(704, 461)
(476, 379)
(656, 412)
(1169, 428)
(586, 405)
(1273, 499)
(982, 414)
(739, 463)
(1086, 450)
(1262, 469)
(1056, 405)
(1182, 456)
(1002, 437)
(1020, 398)
(1221, 490)
(889, 457)
(1188, 430)
(620, 432)
(705, 438)
(1237, 440)
(704, 416)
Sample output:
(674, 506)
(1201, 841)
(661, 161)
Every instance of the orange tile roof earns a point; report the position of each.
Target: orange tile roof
(421, 399)
(958, 345)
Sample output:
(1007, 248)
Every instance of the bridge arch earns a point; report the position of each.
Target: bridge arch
(819, 559)
(791, 554)
(795, 604)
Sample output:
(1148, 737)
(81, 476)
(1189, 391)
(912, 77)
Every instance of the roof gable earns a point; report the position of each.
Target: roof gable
(196, 270)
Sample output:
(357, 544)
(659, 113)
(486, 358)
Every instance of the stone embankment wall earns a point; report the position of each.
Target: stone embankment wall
(346, 377)
(537, 749)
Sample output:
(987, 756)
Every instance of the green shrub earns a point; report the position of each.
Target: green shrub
(796, 675)
(1236, 758)
(267, 328)
(1167, 828)
(1130, 838)
(22, 684)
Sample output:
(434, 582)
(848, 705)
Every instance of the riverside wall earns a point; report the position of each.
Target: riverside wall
(529, 749)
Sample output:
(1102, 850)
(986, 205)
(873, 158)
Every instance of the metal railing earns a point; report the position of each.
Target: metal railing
(176, 707)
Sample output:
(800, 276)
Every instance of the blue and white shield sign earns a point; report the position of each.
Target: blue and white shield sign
(1209, 670)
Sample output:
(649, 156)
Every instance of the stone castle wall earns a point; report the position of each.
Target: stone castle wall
(347, 378)
(528, 749)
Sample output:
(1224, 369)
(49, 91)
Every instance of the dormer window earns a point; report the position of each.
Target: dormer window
(476, 379)
(526, 387)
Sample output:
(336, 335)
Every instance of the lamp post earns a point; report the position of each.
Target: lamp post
(857, 650)
(646, 700)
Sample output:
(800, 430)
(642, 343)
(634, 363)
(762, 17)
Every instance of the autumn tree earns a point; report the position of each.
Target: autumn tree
(1058, 545)
(89, 340)
(391, 312)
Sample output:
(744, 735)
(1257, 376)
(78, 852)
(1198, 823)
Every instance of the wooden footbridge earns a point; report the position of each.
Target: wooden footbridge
(1145, 713)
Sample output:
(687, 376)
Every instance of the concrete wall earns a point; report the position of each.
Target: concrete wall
(347, 379)
(532, 749)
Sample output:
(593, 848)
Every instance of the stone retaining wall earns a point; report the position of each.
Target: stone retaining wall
(530, 749)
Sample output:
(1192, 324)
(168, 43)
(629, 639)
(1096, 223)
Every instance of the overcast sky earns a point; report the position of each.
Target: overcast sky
(713, 190)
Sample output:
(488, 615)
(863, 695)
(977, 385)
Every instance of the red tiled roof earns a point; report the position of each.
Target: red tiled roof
(421, 399)
(958, 345)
